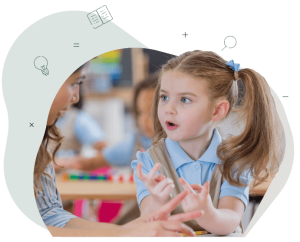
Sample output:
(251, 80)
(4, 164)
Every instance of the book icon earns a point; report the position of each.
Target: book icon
(99, 17)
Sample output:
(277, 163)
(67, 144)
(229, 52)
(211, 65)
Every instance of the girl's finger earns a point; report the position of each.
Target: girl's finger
(163, 185)
(197, 187)
(159, 177)
(205, 190)
(183, 217)
(139, 172)
(186, 186)
(160, 187)
(153, 171)
(168, 207)
(166, 192)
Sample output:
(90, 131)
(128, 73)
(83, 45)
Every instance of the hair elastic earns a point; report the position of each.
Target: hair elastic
(235, 67)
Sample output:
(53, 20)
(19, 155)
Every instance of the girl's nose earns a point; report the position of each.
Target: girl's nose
(75, 97)
(170, 109)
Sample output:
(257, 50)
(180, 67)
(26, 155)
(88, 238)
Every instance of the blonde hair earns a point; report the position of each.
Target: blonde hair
(259, 147)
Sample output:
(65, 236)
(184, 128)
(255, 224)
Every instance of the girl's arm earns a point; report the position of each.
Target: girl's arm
(221, 221)
(225, 219)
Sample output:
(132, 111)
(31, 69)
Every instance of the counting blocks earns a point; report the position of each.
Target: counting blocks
(95, 177)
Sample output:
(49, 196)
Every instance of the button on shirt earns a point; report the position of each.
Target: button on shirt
(193, 172)
(121, 154)
(49, 202)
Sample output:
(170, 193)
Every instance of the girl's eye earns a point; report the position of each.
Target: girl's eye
(77, 84)
(164, 98)
(185, 100)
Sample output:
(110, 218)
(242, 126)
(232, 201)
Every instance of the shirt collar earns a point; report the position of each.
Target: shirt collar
(179, 157)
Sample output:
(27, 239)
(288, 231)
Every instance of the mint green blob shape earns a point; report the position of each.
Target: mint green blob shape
(29, 94)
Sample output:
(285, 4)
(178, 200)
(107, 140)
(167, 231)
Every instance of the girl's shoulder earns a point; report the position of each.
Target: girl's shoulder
(144, 158)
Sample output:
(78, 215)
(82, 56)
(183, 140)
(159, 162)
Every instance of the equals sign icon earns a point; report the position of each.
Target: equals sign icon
(76, 44)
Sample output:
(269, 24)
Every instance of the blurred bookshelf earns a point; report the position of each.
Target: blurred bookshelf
(114, 74)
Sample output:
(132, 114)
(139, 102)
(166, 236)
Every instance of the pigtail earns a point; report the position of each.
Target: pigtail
(259, 147)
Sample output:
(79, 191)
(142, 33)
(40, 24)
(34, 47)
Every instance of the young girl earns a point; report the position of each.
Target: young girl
(196, 91)
(61, 223)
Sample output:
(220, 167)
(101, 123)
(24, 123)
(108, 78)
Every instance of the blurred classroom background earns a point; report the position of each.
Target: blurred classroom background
(108, 90)
(107, 95)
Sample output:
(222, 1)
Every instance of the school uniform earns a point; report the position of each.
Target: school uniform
(122, 154)
(176, 163)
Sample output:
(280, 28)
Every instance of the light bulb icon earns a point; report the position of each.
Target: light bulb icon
(41, 63)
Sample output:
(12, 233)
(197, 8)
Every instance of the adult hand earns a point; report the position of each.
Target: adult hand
(88, 164)
(158, 186)
(193, 201)
(100, 145)
(158, 223)
(66, 163)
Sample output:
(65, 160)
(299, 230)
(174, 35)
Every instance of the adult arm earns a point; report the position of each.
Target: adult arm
(157, 223)
(116, 155)
(71, 232)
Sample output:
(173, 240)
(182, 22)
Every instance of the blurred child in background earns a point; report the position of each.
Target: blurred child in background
(122, 153)
(79, 129)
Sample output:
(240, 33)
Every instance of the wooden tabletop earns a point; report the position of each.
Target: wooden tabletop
(108, 190)
(104, 190)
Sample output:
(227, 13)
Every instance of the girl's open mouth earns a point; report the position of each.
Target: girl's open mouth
(171, 126)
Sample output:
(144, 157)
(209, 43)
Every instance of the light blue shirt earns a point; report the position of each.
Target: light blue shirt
(49, 202)
(86, 129)
(193, 172)
(121, 154)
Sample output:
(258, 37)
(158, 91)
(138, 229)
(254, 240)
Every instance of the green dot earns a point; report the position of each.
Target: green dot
(73, 177)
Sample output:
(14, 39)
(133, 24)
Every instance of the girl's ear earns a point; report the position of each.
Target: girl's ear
(221, 110)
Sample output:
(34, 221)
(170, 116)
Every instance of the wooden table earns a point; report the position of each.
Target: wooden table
(95, 190)
(107, 190)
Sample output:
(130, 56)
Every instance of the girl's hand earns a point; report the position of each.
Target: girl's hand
(193, 201)
(159, 223)
(158, 186)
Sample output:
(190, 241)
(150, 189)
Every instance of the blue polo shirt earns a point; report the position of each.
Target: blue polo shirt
(193, 172)
(121, 154)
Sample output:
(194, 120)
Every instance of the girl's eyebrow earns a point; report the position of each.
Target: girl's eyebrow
(183, 93)
(81, 77)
